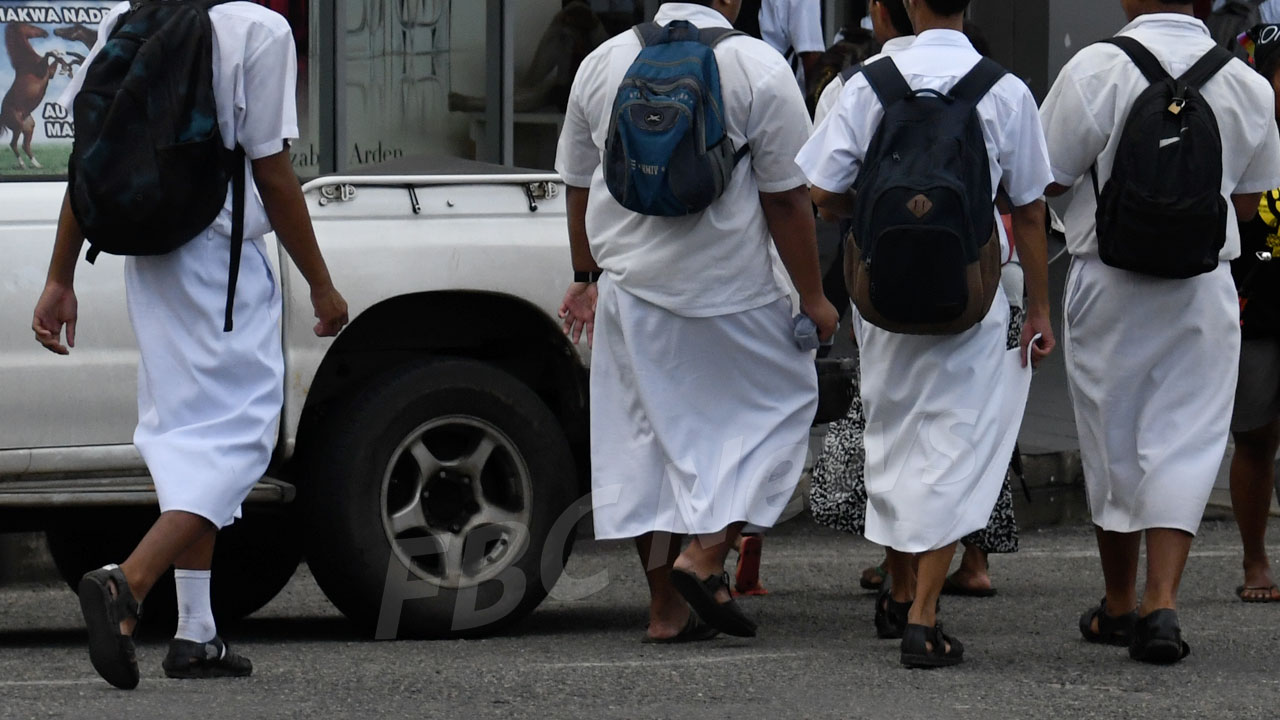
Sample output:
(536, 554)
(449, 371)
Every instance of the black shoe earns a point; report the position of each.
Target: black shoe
(1157, 639)
(189, 660)
(891, 615)
(1112, 629)
(106, 601)
(946, 651)
(727, 617)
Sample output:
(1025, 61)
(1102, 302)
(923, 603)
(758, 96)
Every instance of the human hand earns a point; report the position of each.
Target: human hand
(1037, 324)
(578, 311)
(56, 307)
(823, 314)
(330, 310)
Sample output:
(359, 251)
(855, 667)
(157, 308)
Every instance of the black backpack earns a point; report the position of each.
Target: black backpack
(1162, 212)
(923, 256)
(148, 169)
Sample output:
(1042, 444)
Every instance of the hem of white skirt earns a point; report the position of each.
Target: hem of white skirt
(757, 526)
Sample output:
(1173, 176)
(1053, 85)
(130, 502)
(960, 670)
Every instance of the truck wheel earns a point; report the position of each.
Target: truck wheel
(437, 501)
(252, 562)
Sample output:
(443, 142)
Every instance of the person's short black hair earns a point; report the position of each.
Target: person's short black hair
(947, 7)
(898, 17)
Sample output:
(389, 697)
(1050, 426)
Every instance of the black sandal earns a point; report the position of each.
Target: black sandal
(1112, 629)
(946, 651)
(694, 630)
(112, 652)
(727, 617)
(188, 660)
(891, 616)
(1157, 639)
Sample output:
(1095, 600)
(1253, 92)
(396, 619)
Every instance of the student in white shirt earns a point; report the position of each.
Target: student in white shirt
(209, 402)
(700, 401)
(1151, 362)
(892, 28)
(924, 499)
(794, 28)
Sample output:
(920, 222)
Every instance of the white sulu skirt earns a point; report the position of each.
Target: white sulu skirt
(209, 402)
(1152, 368)
(942, 414)
(696, 423)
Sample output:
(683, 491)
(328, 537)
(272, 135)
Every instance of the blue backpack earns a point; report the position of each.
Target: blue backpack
(667, 153)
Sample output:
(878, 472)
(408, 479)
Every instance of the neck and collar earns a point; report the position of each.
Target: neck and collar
(924, 19)
(721, 15)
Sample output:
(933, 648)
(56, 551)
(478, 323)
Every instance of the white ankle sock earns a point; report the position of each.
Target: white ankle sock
(195, 612)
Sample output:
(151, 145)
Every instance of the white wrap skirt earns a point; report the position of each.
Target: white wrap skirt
(942, 414)
(1152, 367)
(696, 423)
(209, 402)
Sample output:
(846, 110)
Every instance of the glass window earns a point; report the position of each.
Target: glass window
(415, 79)
(547, 60)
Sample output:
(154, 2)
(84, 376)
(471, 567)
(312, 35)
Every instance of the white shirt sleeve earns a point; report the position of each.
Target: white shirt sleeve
(833, 156)
(1073, 134)
(577, 156)
(804, 26)
(1024, 156)
(1263, 172)
(827, 102)
(266, 108)
(776, 129)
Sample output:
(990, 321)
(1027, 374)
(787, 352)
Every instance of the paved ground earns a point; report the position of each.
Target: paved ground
(816, 656)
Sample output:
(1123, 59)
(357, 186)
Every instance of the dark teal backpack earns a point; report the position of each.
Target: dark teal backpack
(148, 169)
(667, 152)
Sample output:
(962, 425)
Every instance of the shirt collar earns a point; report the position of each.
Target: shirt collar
(1169, 20)
(700, 15)
(898, 43)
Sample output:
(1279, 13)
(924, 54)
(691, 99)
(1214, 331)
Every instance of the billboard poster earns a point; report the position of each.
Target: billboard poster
(45, 44)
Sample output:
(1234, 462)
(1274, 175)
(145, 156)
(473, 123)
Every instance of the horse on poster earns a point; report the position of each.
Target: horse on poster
(32, 73)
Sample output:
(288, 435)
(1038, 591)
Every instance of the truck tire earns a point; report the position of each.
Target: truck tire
(438, 501)
(253, 559)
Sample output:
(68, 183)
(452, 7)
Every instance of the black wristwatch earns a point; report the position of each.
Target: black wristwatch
(584, 276)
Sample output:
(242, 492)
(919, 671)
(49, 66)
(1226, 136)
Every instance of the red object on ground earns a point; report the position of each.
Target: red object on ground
(747, 578)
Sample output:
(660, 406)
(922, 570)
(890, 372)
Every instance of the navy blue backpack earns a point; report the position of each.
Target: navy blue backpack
(667, 153)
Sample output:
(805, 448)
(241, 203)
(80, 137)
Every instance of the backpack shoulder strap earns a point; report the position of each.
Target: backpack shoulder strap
(1141, 56)
(975, 85)
(1206, 67)
(886, 81)
(714, 36)
(847, 74)
(650, 33)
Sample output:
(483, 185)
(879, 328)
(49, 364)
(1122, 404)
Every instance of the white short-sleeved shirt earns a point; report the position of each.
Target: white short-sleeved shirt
(1085, 113)
(792, 25)
(936, 60)
(719, 261)
(831, 93)
(255, 77)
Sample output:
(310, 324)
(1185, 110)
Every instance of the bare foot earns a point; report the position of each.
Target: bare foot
(668, 626)
(1259, 586)
(971, 580)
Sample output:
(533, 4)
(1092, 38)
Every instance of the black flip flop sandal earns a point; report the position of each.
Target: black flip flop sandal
(1270, 591)
(112, 652)
(891, 616)
(188, 660)
(727, 617)
(1157, 639)
(694, 630)
(917, 654)
(1112, 629)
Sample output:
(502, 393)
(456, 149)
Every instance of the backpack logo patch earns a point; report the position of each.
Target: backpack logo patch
(920, 205)
(653, 118)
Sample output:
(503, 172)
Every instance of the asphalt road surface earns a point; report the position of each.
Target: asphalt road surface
(581, 658)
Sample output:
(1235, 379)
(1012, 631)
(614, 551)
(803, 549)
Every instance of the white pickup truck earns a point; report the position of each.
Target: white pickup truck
(431, 458)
